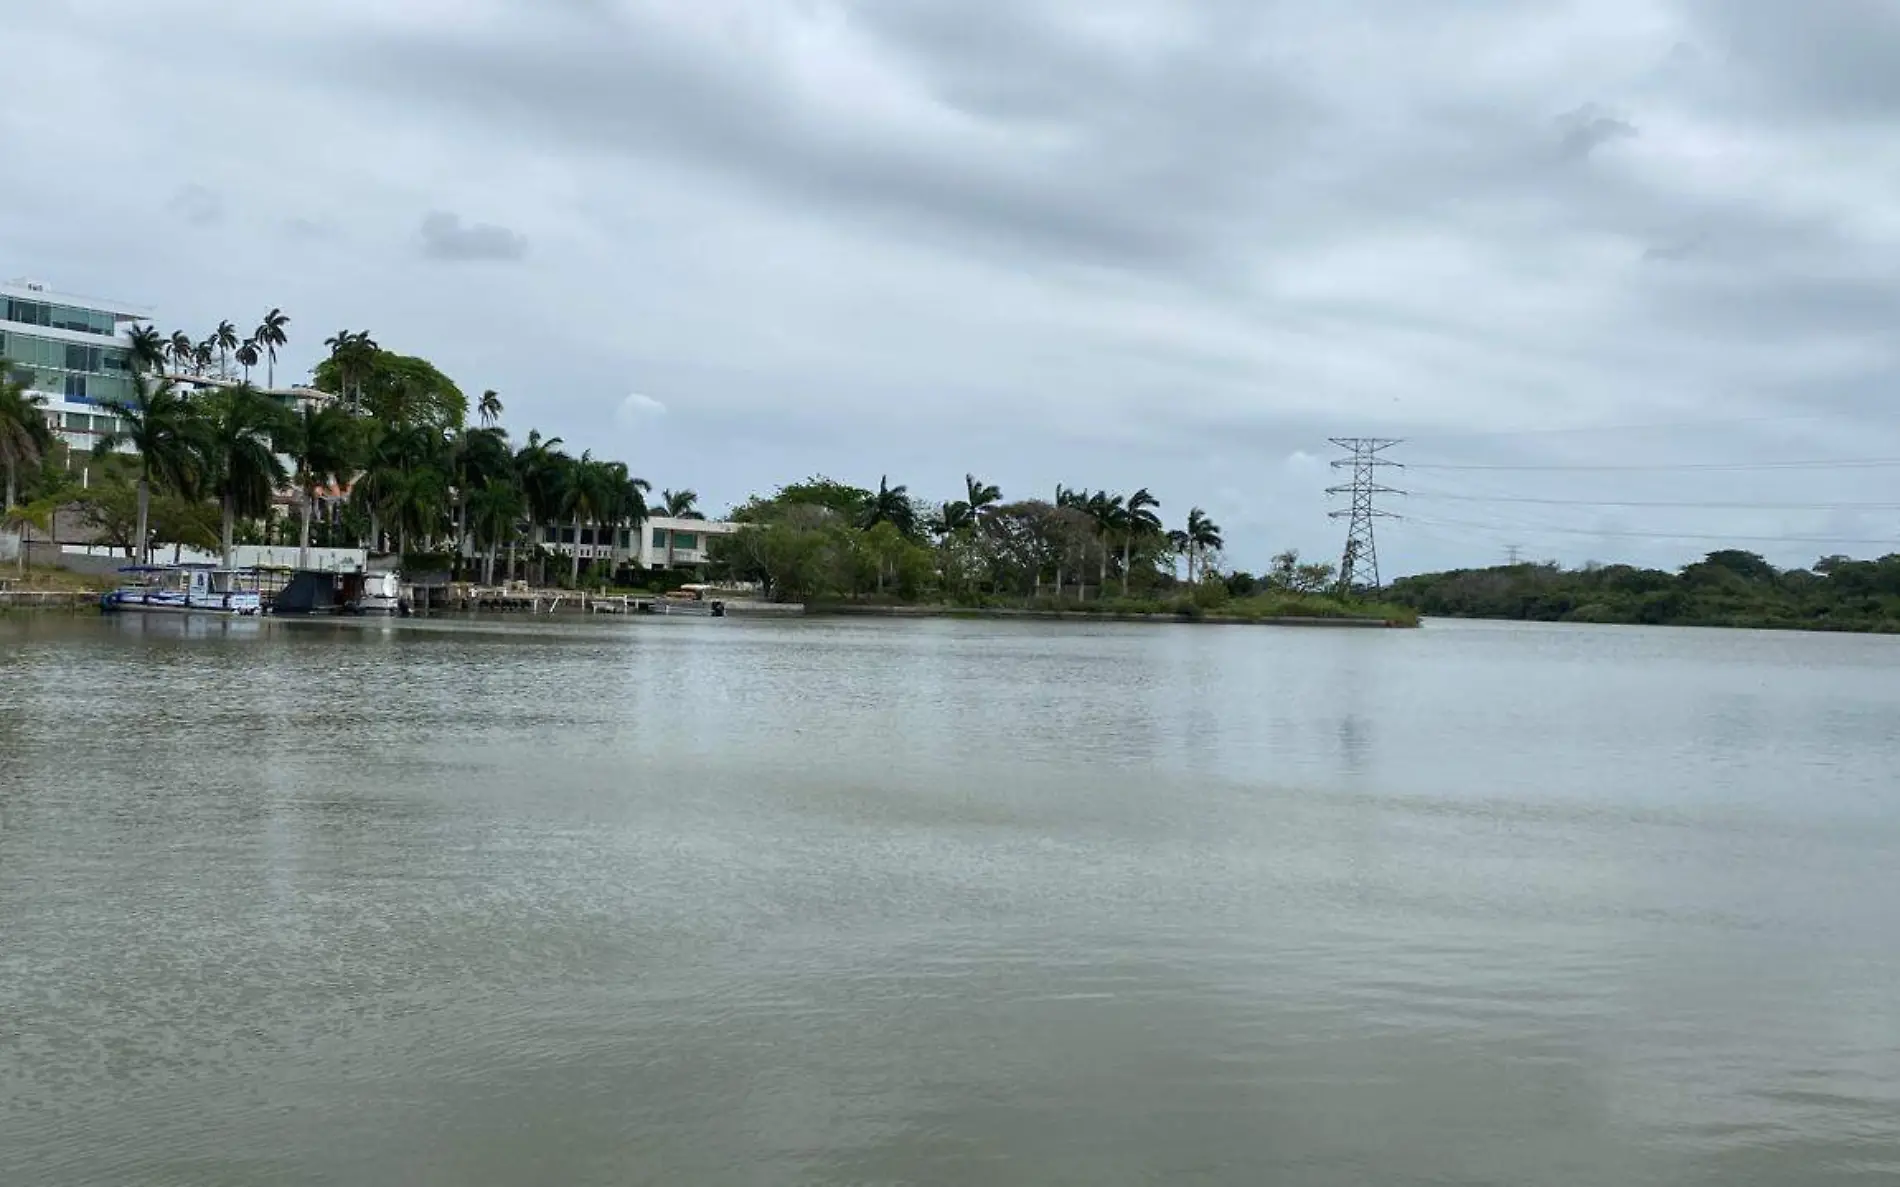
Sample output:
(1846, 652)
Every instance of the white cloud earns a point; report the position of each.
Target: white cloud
(636, 408)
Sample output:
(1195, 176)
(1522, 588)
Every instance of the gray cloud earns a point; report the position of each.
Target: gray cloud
(1588, 128)
(1140, 243)
(446, 237)
(195, 205)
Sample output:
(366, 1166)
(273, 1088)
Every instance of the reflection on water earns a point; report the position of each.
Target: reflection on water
(735, 902)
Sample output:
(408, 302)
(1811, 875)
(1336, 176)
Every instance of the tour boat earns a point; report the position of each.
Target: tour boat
(185, 589)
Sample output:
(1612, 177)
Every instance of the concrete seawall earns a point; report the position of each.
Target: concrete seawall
(41, 599)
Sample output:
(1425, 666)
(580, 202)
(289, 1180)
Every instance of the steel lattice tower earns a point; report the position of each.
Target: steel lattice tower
(1361, 558)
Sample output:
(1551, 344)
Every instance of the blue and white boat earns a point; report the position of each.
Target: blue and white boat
(185, 589)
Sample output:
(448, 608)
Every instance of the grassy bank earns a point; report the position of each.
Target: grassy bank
(1269, 608)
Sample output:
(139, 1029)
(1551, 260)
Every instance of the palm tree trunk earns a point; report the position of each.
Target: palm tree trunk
(488, 565)
(303, 535)
(1101, 587)
(145, 512)
(574, 568)
(375, 531)
(230, 528)
(461, 526)
(511, 558)
(1128, 545)
(12, 485)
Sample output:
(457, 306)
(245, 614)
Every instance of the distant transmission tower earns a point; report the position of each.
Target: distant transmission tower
(1359, 565)
(1513, 554)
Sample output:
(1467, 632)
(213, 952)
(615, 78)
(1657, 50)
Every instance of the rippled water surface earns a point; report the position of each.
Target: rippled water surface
(840, 902)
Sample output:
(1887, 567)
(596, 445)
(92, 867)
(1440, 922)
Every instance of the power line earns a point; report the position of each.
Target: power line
(1653, 427)
(1423, 494)
(1361, 555)
(1888, 541)
(1824, 464)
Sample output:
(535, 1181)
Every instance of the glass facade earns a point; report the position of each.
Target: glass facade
(685, 541)
(76, 371)
(60, 317)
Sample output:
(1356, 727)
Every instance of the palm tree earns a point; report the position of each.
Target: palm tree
(148, 348)
(247, 356)
(351, 352)
(24, 434)
(321, 444)
(541, 469)
(226, 336)
(1110, 518)
(202, 354)
(629, 507)
(978, 495)
(1202, 536)
(270, 335)
(182, 350)
(161, 424)
(239, 455)
(681, 504)
(588, 495)
(476, 457)
(404, 484)
(678, 504)
(891, 504)
(37, 515)
(489, 407)
(494, 514)
(1138, 520)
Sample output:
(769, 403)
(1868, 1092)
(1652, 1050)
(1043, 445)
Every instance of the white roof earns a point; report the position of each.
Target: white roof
(32, 290)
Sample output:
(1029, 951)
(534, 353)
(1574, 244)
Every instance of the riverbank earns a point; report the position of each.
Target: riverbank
(41, 588)
(1266, 610)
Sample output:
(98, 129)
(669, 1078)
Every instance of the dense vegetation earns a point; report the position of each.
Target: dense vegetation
(1727, 588)
(824, 541)
(391, 462)
(201, 458)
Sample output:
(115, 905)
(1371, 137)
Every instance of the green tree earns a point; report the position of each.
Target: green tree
(226, 338)
(681, 504)
(270, 335)
(322, 445)
(1139, 523)
(238, 445)
(590, 496)
(165, 430)
(147, 348)
(1201, 537)
(25, 436)
(475, 458)
(495, 511)
(891, 504)
(1111, 520)
(37, 515)
(350, 355)
(400, 390)
(541, 470)
(182, 350)
(489, 408)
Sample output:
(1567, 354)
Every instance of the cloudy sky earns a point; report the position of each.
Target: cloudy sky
(1588, 256)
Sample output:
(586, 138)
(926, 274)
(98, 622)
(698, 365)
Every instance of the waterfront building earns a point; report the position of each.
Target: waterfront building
(660, 542)
(70, 352)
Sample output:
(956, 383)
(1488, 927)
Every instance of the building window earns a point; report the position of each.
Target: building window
(659, 537)
(75, 387)
(685, 541)
(29, 313)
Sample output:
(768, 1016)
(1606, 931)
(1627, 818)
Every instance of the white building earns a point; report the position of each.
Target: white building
(71, 354)
(662, 542)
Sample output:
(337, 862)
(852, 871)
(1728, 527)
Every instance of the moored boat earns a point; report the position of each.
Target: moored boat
(185, 589)
(313, 591)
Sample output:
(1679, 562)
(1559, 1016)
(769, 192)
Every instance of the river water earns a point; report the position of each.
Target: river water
(942, 902)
